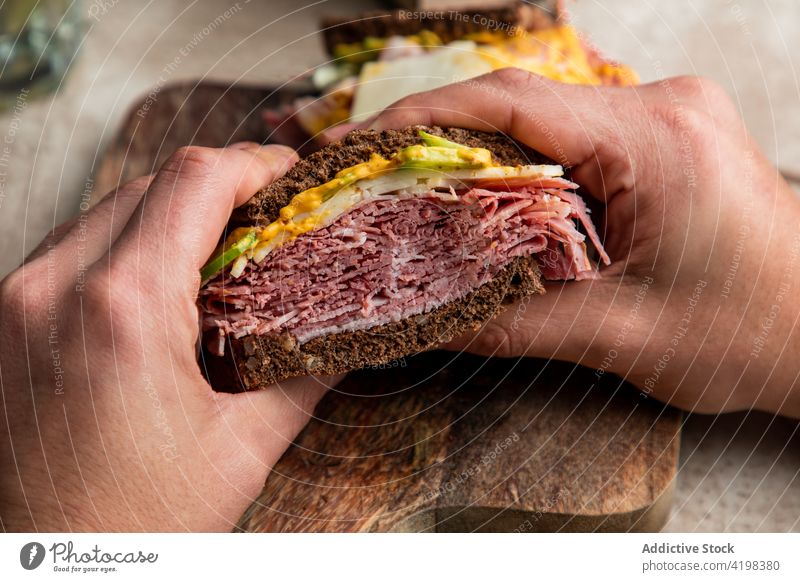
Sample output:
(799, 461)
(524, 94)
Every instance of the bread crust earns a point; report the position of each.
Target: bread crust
(255, 362)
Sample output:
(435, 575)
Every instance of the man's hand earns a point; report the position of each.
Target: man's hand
(699, 307)
(109, 424)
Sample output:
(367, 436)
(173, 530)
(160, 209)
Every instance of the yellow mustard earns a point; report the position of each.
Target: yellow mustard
(307, 204)
(309, 200)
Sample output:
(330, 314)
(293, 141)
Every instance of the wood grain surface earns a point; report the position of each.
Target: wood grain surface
(439, 441)
(451, 442)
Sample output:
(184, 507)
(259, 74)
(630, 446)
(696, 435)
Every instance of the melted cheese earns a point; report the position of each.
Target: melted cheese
(308, 201)
(557, 53)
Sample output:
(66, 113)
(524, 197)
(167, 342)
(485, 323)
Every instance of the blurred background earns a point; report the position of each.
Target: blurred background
(738, 473)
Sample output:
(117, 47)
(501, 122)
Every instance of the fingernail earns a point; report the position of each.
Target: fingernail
(244, 145)
(370, 123)
(336, 132)
(278, 157)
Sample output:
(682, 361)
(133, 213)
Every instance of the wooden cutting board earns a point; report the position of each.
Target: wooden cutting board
(439, 441)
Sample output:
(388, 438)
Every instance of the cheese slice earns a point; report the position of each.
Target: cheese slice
(383, 82)
(556, 53)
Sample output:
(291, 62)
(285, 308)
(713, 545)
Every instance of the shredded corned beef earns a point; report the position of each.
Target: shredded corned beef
(394, 257)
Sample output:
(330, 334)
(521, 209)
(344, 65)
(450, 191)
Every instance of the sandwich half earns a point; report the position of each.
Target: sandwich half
(386, 244)
(380, 57)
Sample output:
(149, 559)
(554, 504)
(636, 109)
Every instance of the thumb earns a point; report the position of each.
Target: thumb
(579, 126)
(568, 323)
(267, 421)
(565, 122)
(188, 205)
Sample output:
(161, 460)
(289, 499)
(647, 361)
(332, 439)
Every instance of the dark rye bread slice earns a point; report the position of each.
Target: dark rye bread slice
(258, 361)
(448, 23)
(263, 360)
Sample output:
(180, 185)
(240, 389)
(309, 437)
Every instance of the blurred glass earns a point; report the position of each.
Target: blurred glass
(38, 40)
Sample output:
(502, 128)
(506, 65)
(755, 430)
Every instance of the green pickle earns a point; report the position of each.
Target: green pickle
(227, 256)
(444, 158)
(359, 52)
(435, 141)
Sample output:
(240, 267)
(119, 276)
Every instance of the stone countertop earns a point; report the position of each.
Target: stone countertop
(738, 472)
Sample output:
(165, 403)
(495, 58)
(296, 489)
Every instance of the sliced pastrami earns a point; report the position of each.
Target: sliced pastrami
(394, 257)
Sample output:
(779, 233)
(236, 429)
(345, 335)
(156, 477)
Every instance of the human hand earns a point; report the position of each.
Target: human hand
(110, 425)
(696, 308)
